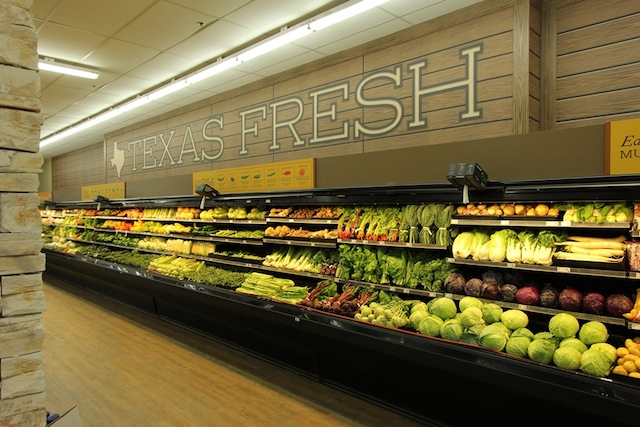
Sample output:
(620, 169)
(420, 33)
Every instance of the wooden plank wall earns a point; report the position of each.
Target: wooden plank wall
(597, 61)
(534, 46)
(83, 167)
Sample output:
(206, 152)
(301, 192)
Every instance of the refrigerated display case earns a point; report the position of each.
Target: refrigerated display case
(427, 378)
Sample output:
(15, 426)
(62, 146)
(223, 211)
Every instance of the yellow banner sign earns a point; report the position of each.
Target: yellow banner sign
(114, 190)
(622, 152)
(291, 175)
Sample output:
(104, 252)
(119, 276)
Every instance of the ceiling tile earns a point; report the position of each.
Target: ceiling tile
(125, 87)
(162, 26)
(98, 101)
(270, 15)
(120, 57)
(42, 9)
(216, 8)
(164, 67)
(101, 17)
(56, 97)
(404, 7)
(438, 9)
(214, 41)
(66, 43)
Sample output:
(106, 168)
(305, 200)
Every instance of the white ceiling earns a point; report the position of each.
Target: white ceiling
(137, 45)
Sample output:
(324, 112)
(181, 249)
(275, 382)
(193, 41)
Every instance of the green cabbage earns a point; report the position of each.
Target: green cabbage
(494, 341)
(443, 307)
(518, 345)
(575, 343)
(494, 336)
(564, 325)
(416, 317)
(420, 305)
(451, 329)
(514, 319)
(491, 313)
(541, 350)
(469, 338)
(472, 316)
(608, 349)
(593, 332)
(595, 362)
(522, 332)
(430, 326)
(567, 357)
(546, 335)
(469, 301)
(495, 327)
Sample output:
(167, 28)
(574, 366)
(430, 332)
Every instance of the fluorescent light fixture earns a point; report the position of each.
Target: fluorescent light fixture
(343, 12)
(49, 64)
(285, 36)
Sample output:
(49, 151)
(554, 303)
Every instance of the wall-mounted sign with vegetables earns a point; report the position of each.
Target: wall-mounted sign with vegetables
(297, 174)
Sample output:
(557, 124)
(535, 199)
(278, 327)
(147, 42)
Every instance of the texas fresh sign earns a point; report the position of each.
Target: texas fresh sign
(347, 111)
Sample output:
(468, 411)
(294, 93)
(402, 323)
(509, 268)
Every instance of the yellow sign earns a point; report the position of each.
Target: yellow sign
(292, 175)
(113, 190)
(622, 152)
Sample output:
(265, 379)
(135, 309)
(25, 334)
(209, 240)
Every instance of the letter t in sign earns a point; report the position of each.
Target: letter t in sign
(468, 83)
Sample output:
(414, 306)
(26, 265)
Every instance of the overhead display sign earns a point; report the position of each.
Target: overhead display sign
(622, 150)
(292, 175)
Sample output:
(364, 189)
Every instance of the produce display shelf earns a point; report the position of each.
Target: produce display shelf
(635, 233)
(112, 245)
(238, 241)
(70, 226)
(503, 304)
(183, 236)
(392, 288)
(310, 221)
(296, 273)
(314, 243)
(230, 221)
(234, 262)
(527, 222)
(190, 220)
(618, 274)
(392, 244)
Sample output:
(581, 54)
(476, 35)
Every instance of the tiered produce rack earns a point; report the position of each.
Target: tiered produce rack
(432, 380)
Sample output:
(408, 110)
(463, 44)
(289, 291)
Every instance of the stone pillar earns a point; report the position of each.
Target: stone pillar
(22, 395)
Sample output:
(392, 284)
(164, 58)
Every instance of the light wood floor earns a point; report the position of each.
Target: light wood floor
(125, 368)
